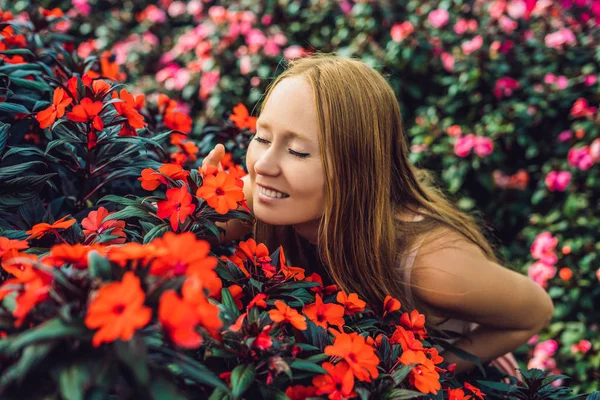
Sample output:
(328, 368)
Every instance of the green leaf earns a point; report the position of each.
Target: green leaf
(33, 85)
(162, 389)
(219, 394)
(242, 378)
(401, 373)
(73, 380)
(99, 266)
(50, 330)
(13, 108)
(229, 303)
(29, 181)
(10, 171)
(32, 356)
(156, 232)
(401, 394)
(20, 52)
(308, 366)
(133, 355)
(129, 212)
(4, 128)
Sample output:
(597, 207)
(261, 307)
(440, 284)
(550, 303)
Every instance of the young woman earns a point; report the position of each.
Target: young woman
(329, 179)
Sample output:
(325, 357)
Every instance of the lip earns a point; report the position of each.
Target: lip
(268, 200)
(270, 188)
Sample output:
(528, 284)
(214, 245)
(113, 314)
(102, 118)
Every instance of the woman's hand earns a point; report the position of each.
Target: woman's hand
(215, 156)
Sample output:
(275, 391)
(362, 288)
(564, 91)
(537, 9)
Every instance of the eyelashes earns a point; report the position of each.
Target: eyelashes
(292, 152)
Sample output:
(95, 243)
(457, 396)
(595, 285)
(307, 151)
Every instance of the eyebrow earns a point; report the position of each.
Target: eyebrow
(286, 133)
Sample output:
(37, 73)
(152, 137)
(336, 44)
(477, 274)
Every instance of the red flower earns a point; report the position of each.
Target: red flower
(221, 192)
(359, 355)
(39, 230)
(242, 118)
(423, 376)
(299, 392)
(237, 292)
(258, 300)
(285, 313)
(127, 108)
(351, 302)
(60, 101)
(390, 305)
(151, 179)
(263, 341)
(338, 383)
(93, 226)
(414, 322)
(118, 310)
(324, 315)
(87, 111)
(475, 391)
(75, 254)
(7, 244)
(177, 207)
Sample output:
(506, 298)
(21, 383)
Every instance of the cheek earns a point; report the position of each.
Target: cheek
(250, 160)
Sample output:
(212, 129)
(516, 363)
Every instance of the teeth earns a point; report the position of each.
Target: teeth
(272, 193)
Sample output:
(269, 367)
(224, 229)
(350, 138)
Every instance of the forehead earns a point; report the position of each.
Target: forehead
(290, 110)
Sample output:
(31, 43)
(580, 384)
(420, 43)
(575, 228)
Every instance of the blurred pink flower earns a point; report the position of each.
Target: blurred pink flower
(580, 158)
(507, 24)
(598, 274)
(546, 348)
(82, 7)
(497, 8)
(255, 81)
(176, 9)
(543, 363)
(581, 108)
(505, 86)
(560, 38)
(582, 347)
(454, 131)
(595, 150)
(541, 273)
(483, 146)
(461, 26)
(293, 51)
(400, 31)
(173, 77)
(591, 79)
(86, 48)
(255, 39)
(447, 61)
(208, 83)
(195, 7)
(516, 9)
(463, 145)
(280, 39)
(266, 20)
(271, 48)
(543, 247)
(562, 82)
(472, 45)
(473, 25)
(245, 65)
(154, 14)
(217, 14)
(533, 340)
(557, 181)
(565, 135)
(438, 18)
(346, 7)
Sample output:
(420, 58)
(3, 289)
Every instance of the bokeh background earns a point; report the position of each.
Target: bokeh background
(499, 99)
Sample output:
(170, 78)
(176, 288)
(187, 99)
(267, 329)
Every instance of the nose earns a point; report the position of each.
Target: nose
(268, 163)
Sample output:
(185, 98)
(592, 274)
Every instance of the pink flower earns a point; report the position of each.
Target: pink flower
(401, 31)
(533, 340)
(497, 9)
(418, 148)
(483, 146)
(581, 108)
(516, 9)
(438, 18)
(562, 82)
(208, 83)
(463, 145)
(245, 65)
(543, 363)
(557, 181)
(580, 158)
(591, 79)
(543, 247)
(155, 14)
(560, 38)
(271, 48)
(447, 61)
(176, 9)
(595, 150)
(583, 346)
(454, 131)
(598, 274)
(217, 14)
(195, 7)
(266, 19)
(505, 87)
(550, 78)
(255, 39)
(473, 25)
(293, 52)
(546, 348)
(461, 26)
(472, 45)
(82, 6)
(564, 136)
(507, 24)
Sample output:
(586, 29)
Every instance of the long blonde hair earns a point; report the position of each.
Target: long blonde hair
(369, 181)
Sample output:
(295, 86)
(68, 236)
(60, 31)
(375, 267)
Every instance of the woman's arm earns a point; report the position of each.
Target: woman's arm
(452, 276)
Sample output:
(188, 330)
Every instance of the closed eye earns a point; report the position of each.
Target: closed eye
(295, 153)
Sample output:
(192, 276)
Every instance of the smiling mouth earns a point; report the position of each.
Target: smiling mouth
(273, 194)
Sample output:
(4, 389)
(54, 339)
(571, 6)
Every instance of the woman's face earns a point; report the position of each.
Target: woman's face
(285, 157)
